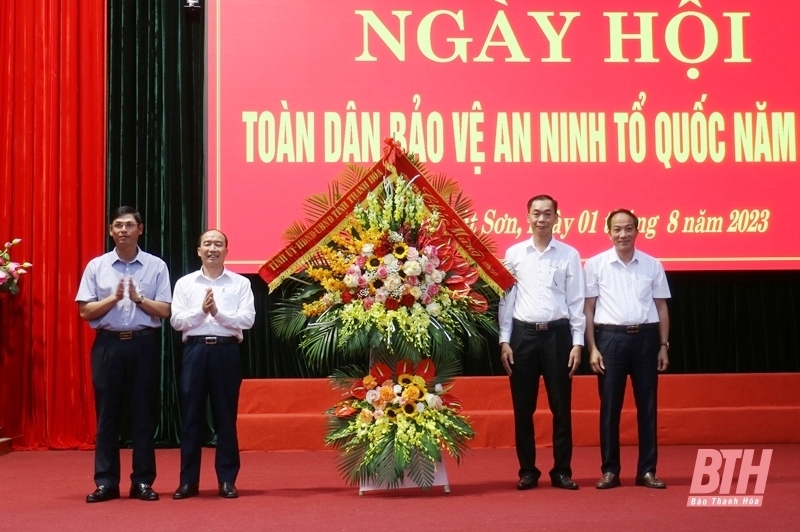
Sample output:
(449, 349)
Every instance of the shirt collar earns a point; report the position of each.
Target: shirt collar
(114, 256)
(224, 274)
(550, 245)
(613, 257)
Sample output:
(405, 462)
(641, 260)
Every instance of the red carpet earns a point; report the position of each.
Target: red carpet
(302, 491)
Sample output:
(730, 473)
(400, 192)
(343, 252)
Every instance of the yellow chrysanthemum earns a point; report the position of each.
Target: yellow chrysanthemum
(319, 274)
(369, 236)
(314, 309)
(333, 285)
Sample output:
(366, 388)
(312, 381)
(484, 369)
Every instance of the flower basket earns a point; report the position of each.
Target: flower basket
(386, 273)
(393, 424)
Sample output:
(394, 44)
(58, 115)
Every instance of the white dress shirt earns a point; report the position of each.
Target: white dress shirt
(625, 293)
(233, 296)
(549, 287)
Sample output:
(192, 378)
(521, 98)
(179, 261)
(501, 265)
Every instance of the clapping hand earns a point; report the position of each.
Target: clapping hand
(209, 305)
(120, 293)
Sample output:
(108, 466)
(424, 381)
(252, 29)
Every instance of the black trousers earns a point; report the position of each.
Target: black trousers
(124, 370)
(635, 355)
(541, 354)
(215, 372)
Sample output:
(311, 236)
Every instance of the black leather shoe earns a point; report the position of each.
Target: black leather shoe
(607, 481)
(649, 480)
(228, 490)
(527, 482)
(143, 492)
(103, 493)
(563, 481)
(185, 491)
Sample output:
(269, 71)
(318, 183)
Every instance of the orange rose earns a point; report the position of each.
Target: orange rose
(365, 416)
(387, 393)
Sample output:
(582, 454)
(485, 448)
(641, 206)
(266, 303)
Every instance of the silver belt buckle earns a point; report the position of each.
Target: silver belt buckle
(210, 340)
(542, 326)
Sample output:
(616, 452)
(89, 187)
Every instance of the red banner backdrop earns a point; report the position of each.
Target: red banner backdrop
(52, 174)
(682, 110)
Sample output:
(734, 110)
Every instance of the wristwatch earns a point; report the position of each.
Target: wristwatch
(139, 300)
(665, 344)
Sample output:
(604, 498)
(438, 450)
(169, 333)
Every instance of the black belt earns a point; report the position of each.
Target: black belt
(211, 340)
(630, 329)
(541, 326)
(126, 335)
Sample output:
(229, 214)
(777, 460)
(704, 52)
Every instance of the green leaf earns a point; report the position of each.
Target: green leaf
(382, 470)
(349, 464)
(343, 378)
(431, 448)
(319, 343)
(421, 469)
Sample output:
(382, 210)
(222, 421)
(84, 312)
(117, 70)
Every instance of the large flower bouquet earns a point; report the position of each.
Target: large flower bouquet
(391, 282)
(391, 287)
(393, 424)
(9, 270)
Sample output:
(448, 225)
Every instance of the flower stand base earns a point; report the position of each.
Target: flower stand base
(439, 479)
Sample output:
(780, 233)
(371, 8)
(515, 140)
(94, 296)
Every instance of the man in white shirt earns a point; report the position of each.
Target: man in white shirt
(627, 331)
(211, 307)
(541, 335)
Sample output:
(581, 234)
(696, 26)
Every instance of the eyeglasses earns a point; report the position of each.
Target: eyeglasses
(128, 225)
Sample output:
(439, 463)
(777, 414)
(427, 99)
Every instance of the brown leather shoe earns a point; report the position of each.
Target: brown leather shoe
(649, 480)
(607, 481)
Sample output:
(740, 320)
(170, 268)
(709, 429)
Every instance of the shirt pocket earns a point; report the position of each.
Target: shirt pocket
(558, 279)
(148, 290)
(644, 289)
(228, 303)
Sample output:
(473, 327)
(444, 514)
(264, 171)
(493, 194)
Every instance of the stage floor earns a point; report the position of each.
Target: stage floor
(44, 490)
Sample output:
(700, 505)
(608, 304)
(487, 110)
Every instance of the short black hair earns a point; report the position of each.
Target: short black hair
(119, 212)
(543, 197)
(622, 211)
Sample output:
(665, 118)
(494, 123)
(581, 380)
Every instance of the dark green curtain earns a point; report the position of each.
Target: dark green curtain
(155, 147)
(735, 322)
(721, 321)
